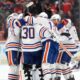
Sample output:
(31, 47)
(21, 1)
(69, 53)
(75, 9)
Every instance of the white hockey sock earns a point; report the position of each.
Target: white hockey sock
(46, 71)
(13, 72)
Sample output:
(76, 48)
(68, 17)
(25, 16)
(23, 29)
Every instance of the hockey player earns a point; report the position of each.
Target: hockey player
(70, 46)
(36, 39)
(13, 48)
(13, 45)
(42, 18)
(32, 68)
(56, 19)
(61, 66)
(73, 33)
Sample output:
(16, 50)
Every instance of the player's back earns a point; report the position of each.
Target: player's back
(12, 42)
(44, 21)
(31, 40)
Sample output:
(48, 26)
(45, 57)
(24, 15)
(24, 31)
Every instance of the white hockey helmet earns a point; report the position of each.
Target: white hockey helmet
(43, 14)
(20, 15)
(12, 16)
(56, 17)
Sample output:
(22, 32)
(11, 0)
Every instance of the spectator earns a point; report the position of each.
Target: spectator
(72, 2)
(22, 2)
(1, 7)
(18, 8)
(8, 5)
(47, 8)
(55, 7)
(66, 8)
(38, 7)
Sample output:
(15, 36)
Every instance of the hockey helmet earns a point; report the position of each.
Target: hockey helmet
(43, 14)
(56, 17)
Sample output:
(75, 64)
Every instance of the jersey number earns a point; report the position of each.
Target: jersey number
(28, 33)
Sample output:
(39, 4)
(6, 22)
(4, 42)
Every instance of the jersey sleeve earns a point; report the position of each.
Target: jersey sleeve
(44, 34)
(16, 29)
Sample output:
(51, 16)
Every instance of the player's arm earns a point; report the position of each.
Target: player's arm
(20, 22)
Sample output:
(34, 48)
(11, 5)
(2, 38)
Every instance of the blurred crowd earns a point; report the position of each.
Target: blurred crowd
(66, 8)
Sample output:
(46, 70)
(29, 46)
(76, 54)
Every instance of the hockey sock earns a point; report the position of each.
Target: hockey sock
(46, 71)
(13, 73)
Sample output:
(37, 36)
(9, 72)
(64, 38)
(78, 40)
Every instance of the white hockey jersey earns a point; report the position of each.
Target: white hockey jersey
(68, 40)
(12, 42)
(32, 37)
(73, 32)
(44, 21)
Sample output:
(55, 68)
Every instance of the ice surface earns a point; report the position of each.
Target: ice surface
(3, 72)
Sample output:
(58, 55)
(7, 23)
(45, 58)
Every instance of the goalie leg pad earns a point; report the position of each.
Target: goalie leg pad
(27, 71)
(13, 73)
(39, 73)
